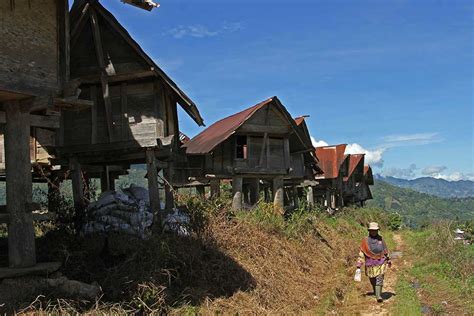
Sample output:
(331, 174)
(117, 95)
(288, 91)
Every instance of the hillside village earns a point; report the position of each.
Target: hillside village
(80, 101)
(96, 103)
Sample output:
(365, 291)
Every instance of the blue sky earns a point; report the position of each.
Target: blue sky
(391, 78)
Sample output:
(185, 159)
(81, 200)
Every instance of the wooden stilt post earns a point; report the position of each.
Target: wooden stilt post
(237, 193)
(21, 236)
(200, 191)
(278, 195)
(254, 187)
(294, 194)
(215, 188)
(153, 189)
(169, 197)
(310, 197)
(77, 191)
(246, 194)
(266, 194)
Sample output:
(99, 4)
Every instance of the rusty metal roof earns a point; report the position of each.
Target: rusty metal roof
(354, 160)
(330, 160)
(299, 120)
(218, 132)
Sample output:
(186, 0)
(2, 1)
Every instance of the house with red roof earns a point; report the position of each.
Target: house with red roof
(354, 179)
(335, 167)
(259, 148)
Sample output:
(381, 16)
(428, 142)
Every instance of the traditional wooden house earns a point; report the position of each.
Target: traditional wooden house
(335, 166)
(253, 149)
(353, 181)
(133, 117)
(34, 85)
(303, 164)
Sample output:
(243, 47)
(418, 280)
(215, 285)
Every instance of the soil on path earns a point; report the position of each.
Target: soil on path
(360, 300)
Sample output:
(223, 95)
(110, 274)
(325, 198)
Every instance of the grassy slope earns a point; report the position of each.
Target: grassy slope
(440, 278)
(418, 208)
(250, 261)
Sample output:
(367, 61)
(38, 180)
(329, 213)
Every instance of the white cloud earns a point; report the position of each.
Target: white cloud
(402, 173)
(433, 171)
(411, 139)
(318, 143)
(456, 176)
(201, 31)
(372, 157)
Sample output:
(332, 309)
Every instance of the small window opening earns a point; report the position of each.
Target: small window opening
(241, 147)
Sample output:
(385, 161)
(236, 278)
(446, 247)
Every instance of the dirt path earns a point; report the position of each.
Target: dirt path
(359, 300)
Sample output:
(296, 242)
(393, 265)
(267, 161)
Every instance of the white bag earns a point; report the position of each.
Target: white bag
(358, 275)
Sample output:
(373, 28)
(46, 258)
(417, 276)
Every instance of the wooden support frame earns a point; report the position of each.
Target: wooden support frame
(103, 77)
(215, 188)
(21, 237)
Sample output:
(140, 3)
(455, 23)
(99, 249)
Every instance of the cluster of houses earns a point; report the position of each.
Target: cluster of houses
(80, 99)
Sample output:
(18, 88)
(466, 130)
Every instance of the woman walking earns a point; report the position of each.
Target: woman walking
(374, 252)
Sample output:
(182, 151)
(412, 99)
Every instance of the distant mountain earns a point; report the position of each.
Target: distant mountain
(420, 208)
(433, 186)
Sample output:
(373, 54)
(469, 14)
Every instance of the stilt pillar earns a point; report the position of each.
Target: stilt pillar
(200, 189)
(215, 188)
(153, 189)
(169, 197)
(77, 191)
(296, 201)
(21, 236)
(278, 195)
(310, 197)
(254, 187)
(237, 193)
(267, 194)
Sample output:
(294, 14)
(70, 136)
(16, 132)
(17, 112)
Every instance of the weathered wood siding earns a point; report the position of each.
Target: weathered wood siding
(141, 113)
(29, 59)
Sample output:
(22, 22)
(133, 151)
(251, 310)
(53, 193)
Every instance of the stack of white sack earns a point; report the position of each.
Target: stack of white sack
(127, 211)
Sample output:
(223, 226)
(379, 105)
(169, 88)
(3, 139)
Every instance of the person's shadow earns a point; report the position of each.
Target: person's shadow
(385, 295)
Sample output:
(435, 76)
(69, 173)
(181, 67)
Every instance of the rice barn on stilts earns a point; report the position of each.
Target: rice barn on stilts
(258, 149)
(133, 118)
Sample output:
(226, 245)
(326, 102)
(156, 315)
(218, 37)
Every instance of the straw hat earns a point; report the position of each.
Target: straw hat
(373, 226)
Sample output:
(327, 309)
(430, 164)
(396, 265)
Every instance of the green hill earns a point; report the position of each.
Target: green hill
(420, 208)
(438, 187)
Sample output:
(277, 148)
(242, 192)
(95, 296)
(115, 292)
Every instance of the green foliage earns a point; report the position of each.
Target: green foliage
(419, 209)
(394, 221)
(407, 302)
(443, 267)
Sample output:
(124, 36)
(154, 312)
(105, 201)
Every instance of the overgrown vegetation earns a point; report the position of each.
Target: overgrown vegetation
(253, 260)
(420, 209)
(442, 274)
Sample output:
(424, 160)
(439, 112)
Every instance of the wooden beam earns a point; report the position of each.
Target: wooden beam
(77, 190)
(94, 79)
(263, 151)
(44, 268)
(286, 151)
(52, 122)
(94, 115)
(103, 76)
(259, 129)
(21, 236)
(124, 109)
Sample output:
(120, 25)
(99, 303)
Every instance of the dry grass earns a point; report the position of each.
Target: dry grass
(254, 262)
